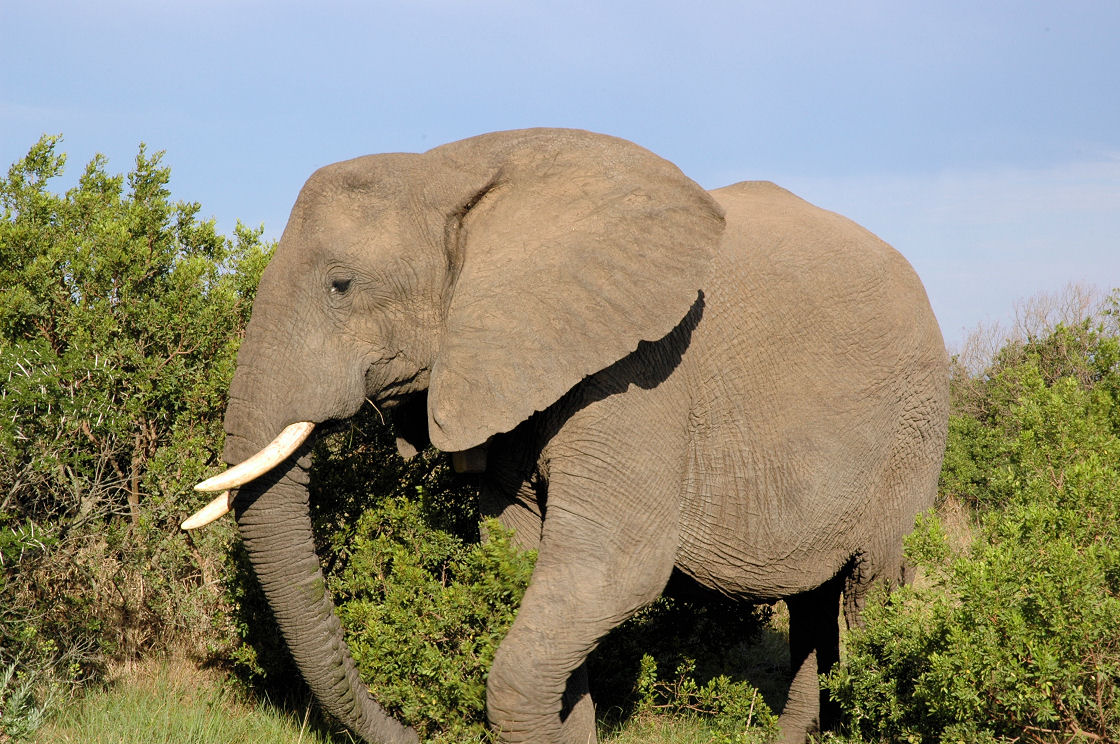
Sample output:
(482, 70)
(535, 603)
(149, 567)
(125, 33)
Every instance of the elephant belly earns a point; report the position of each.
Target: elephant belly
(791, 445)
(815, 385)
(762, 529)
(789, 467)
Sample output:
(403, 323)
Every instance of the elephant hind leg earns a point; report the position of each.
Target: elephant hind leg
(814, 646)
(883, 564)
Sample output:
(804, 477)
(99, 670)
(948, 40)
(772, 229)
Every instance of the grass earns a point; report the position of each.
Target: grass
(173, 702)
(664, 730)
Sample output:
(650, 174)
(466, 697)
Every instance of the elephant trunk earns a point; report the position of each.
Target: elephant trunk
(275, 525)
(272, 389)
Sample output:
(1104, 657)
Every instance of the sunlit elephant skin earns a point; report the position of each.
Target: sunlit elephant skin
(734, 383)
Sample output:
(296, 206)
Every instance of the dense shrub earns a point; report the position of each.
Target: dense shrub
(120, 315)
(425, 612)
(985, 423)
(685, 655)
(1015, 636)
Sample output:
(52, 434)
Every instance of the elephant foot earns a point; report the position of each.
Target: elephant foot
(793, 734)
(814, 646)
(509, 710)
(578, 713)
(801, 715)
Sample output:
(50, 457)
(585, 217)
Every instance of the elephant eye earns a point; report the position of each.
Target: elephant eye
(340, 286)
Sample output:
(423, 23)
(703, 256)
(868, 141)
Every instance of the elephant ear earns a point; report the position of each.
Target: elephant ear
(578, 247)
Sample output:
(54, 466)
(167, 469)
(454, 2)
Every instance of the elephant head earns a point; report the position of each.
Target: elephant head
(493, 273)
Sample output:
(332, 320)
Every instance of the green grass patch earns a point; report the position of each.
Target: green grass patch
(172, 702)
(679, 729)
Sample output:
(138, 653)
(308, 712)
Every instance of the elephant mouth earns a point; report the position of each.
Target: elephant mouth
(391, 400)
(275, 452)
(387, 388)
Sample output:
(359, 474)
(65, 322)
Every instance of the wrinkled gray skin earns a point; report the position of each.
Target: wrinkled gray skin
(736, 384)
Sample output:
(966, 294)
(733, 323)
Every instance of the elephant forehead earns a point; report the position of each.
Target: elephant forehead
(381, 175)
(343, 228)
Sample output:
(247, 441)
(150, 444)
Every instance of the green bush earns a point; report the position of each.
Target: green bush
(1016, 636)
(985, 422)
(732, 712)
(424, 613)
(120, 316)
(684, 655)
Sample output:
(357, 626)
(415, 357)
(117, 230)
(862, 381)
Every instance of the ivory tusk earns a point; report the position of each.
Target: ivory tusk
(207, 514)
(285, 443)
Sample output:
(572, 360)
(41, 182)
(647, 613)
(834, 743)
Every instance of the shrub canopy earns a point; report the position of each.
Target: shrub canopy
(120, 315)
(1014, 635)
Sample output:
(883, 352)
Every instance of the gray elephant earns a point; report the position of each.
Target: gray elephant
(734, 383)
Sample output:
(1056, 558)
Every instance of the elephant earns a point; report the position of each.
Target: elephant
(651, 379)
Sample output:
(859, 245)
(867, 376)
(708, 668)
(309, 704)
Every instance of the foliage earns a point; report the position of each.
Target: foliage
(984, 424)
(425, 612)
(1016, 638)
(119, 320)
(684, 655)
(22, 713)
(734, 712)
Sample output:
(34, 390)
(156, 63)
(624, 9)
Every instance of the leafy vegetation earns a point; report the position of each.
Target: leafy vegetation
(1015, 637)
(686, 655)
(734, 712)
(440, 603)
(119, 319)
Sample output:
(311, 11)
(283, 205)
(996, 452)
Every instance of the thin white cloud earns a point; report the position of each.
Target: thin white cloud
(19, 112)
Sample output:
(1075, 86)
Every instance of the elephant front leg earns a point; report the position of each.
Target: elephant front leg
(516, 507)
(581, 589)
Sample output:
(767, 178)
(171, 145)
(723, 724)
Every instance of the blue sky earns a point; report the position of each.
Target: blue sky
(981, 139)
